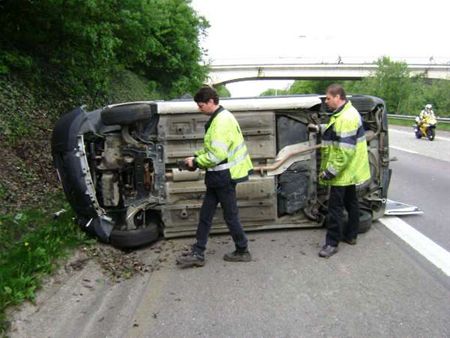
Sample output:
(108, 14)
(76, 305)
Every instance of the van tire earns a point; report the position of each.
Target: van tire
(365, 221)
(128, 114)
(135, 238)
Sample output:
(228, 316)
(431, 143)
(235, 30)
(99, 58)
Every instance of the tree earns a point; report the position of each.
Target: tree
(223, 91)
(310, 86)
(300, 87)
(403, 94)
(437, 93)
(164, 43)
(80, 44)
(274, 92)
(391, 81)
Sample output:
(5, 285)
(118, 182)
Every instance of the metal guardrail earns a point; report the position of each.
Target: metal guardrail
(412, 118)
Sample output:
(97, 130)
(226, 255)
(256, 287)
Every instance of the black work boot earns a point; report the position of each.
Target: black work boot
(191, 259)
(328, 251)
(351, 241)
(238, 256)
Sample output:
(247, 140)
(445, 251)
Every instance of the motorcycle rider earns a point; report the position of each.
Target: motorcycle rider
(426, 123)
(425, 114)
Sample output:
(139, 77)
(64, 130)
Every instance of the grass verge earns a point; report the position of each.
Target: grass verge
(31, 243)
(408, 123)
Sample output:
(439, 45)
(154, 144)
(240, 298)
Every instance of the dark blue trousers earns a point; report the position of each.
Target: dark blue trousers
(340, 198)
(226, 196)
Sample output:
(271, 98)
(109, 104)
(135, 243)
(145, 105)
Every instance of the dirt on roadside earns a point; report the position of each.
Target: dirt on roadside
(95, 279)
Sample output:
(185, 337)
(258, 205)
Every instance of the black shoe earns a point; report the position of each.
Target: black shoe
(191, 259)
(328, 251)
(238, 256)
(351, 241)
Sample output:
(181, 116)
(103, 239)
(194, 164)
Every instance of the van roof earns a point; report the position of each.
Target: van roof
(237, 104)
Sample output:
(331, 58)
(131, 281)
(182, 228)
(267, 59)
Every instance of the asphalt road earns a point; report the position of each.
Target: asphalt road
(382, 287)
(378, 288)
(421, 176)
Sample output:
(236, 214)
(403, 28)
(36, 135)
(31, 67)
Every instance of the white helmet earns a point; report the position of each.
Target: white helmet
(428, 106)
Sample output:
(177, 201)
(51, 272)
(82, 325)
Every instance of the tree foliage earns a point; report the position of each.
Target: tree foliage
(392, 82)
(402, 93)
(274, 92)
(309, 87)
(83, 43)
(223, 91)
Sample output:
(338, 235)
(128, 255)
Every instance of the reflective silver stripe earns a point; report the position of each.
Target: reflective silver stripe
(345, 145)
(235, 150)
(220, 145)
(212, 157)
(361, 139)
(340, 144)
(230, 164)
(347, 133)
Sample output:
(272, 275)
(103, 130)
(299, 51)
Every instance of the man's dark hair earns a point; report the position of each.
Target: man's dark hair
(336, 89)
(205, 94)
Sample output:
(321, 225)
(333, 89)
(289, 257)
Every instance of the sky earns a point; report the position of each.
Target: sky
(249, 31)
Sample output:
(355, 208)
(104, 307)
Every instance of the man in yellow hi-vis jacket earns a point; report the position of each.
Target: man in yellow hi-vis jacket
(225, 158)
(344, 164)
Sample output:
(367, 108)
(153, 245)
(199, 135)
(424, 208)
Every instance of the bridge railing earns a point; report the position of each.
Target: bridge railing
(330, 59)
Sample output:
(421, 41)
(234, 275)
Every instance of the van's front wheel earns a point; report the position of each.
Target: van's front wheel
(365, 221)
(135, 238)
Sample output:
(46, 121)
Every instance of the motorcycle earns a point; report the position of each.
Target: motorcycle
(425, 128)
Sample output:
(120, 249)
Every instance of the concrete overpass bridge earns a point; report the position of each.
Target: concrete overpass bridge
(223, 74)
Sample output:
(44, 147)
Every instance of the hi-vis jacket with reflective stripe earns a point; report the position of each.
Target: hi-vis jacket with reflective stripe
(224, 148)
(344, 148)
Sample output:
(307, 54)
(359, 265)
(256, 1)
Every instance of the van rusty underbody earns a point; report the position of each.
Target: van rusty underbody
(118, 166)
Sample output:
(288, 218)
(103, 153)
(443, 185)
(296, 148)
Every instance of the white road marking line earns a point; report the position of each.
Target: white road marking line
(419, 242)
(412, 134)
(401, 131)
(403, 149)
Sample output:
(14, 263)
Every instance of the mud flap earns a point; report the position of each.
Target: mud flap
(101, 227)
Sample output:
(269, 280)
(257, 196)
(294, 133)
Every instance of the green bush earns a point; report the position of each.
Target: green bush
(31, 243)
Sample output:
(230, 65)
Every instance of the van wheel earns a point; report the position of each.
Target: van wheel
(128, 114)
(365, 221)
(134, 238)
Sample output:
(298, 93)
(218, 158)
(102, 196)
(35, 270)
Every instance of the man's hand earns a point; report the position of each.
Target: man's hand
(313, 128)
(186, 164)
(189, 162)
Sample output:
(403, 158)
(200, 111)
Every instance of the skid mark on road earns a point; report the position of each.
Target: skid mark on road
(419, 242)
